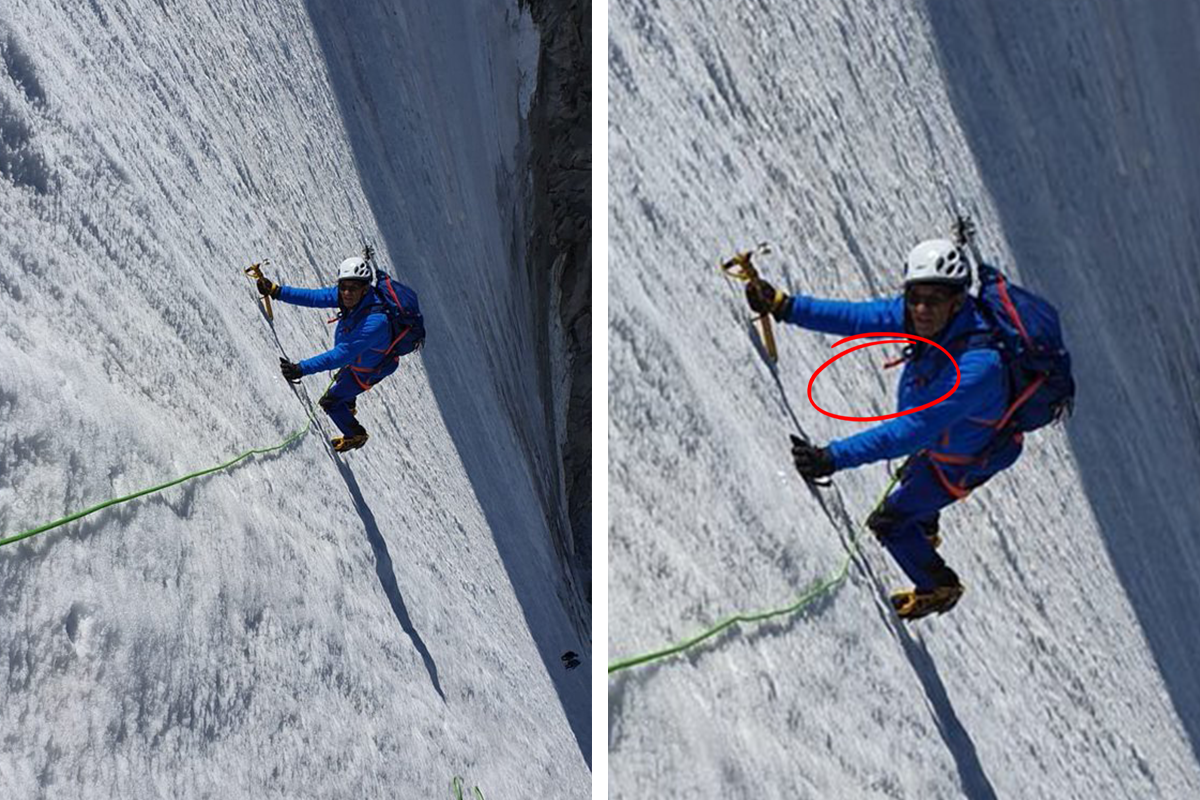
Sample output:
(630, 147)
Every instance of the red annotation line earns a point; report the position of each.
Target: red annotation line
(931, 403)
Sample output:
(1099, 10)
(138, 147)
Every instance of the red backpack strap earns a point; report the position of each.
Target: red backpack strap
(935, 463)
(1029, 392)
(395, 298)
(1010, 308)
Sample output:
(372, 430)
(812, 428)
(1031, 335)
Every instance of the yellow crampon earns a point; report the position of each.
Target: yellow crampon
(740, 268)
(911, 604)
(255, 273)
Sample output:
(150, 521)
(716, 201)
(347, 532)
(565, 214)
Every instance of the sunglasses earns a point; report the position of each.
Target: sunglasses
(932, 297)
(352, 286)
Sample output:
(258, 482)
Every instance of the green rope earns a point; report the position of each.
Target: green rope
(456, 787)
(77, 515)
(816, 590)
(100, 506)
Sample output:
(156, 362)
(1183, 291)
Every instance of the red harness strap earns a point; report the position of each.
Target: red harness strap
(361, 383)
(960, 490)
(957, 491)
(959, 461)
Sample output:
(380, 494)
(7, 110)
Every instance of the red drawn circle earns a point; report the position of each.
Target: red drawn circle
(953, 389)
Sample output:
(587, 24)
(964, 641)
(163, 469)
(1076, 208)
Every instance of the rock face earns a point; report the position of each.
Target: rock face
(559, 251)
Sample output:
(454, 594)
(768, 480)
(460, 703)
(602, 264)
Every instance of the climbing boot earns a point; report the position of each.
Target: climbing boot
(911, 604)
(344, 443)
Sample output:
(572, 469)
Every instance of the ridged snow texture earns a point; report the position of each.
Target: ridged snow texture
(843, 134)
(302, 626)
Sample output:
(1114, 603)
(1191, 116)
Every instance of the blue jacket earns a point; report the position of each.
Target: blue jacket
(955, 426)
(362, 336)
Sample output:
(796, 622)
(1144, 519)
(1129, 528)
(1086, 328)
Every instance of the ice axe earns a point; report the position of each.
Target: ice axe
(264, 302)
(741, 268)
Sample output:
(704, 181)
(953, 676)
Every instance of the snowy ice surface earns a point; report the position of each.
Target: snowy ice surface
(303, 625)
(842, 134)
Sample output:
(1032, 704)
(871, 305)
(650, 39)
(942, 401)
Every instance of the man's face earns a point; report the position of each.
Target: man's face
(350, 292)
(931, 307)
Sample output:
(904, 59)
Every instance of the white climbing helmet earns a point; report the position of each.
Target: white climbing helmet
(354, 269)
(937, 261)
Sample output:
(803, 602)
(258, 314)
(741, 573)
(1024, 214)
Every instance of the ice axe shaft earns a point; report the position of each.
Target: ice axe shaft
(255, 273)
(741, 267)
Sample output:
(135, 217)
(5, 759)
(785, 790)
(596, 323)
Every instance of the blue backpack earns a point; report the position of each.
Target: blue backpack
(1026, 331)
(403, 313)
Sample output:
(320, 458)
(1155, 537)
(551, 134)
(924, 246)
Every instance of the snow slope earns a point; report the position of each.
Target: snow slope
(301, 625)
(842, 134)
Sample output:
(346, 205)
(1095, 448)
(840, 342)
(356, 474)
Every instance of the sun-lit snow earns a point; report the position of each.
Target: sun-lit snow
(842, 134)
(301, 625)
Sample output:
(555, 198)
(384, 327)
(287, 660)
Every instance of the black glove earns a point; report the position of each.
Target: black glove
(812, 462)
(765, 298)
(266, 288)
(290, 371)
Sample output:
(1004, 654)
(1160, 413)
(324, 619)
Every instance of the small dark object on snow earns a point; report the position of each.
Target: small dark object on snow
(569, 655)
(573, 663)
